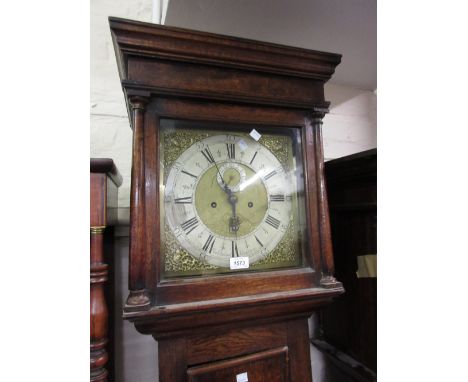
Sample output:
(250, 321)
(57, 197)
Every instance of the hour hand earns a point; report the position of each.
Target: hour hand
(234, 221)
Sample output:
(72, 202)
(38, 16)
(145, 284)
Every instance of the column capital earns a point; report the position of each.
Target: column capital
(138, 102)
(318, 112)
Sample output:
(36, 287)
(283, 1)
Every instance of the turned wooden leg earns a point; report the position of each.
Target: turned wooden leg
(98, 309)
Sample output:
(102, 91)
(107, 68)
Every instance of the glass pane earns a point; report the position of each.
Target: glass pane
(227, 195)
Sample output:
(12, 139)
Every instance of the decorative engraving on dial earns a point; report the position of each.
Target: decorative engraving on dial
(238, 151)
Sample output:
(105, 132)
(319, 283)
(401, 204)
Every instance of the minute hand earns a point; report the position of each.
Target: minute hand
(225, 188)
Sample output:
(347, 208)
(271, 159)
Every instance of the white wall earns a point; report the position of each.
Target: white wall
(111, 136)
(351, 125)
(348, 27)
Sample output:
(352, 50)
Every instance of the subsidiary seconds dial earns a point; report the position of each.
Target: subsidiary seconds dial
(228, 196)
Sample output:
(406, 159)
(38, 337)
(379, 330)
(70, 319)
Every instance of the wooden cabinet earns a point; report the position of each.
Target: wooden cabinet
(349, 326)
(104, 181)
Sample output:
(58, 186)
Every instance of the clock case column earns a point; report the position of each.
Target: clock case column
(138, 298)
(217, 324)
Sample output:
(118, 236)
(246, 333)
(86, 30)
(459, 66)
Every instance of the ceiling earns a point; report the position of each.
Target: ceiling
(348, 27)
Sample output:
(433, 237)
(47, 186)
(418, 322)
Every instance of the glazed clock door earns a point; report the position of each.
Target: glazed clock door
(230, 196)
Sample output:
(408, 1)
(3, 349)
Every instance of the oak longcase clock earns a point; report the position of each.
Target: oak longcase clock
(230, 198)
(230, 247)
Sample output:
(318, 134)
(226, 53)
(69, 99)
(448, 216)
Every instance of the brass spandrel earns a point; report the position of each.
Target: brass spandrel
(178, 259)
(175, 142)
(280, 146)
(285, 252)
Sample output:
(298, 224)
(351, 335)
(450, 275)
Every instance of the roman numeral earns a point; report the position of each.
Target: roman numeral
(258, 241)
(234, 251)
(190, 225)
(272, 221)
(273, 173)
(186, 200)
(231, 149)
(253, 157)
(209, 243)
(187, 173)
(277, 198)
(207, 154)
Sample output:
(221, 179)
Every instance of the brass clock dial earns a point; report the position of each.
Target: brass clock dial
(228, 196)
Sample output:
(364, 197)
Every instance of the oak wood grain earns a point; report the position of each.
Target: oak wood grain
(211, 327)
(178, 44)
(238, 341)
(269, 365)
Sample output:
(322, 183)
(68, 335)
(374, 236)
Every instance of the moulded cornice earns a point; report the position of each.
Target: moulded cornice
(156, 41)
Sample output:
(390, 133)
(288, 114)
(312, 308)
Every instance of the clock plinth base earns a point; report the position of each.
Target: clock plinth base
(137, 300)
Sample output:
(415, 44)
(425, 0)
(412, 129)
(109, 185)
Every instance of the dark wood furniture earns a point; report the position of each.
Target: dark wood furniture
(349, 326)
(215, 328)
(104, 181)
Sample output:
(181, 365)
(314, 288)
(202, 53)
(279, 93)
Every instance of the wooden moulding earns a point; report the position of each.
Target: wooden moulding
(173, 61)
(275, 362)
(178, 44)
(106, 166)
(218, 315)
